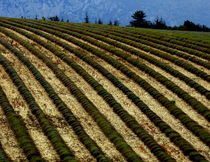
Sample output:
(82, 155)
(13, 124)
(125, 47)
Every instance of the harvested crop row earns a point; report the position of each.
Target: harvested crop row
(116, 106)
(108, 129)
(87, 122)
(140, 42)
(58, 143)
(70, 118)
(112, 118)
(3, 155)
(180, 46)
(21, 108)
(156, 62)
(19, 128)
(199, 107)
(9, 147)
(107, 97)
(153, 51)
(52, 57)
(166, 56)
(183, 41)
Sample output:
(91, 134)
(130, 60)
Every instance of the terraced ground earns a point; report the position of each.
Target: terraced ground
(85, 92)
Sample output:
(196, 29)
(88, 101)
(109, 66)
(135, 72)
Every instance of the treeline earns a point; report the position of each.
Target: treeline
(86, 20)
(139, 20)
(99, 21)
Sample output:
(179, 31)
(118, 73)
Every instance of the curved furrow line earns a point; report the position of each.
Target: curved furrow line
(103, 123)
(18, 126)
(168, 37)
(130, 137)
(51, 48)
(89, 125)
(148, 49)
(198, 106)
(158, 63)
(114, 80)
(140, 41)
(166, 40)
(156, 52)
(86, 120)
(177, 48)
(194, 44)
(120, 126)
(21, 108)
(164, 101)
(175, 39)
(62, 107)
(49, 130)
(117, 108)
(183, 41)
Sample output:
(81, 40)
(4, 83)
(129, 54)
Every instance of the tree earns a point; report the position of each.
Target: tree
(189, 25)
(160, 23)
(116, 23)
(139, 19)
(36, 17)
(54, 18)
(86, 18)
(67, 20)
(43, 18)
(205, 28)
(110, 23)
(100, 21)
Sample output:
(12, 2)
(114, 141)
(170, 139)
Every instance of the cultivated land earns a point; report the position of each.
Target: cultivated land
(86, 92)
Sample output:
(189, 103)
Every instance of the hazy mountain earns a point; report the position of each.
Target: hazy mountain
(173, 11)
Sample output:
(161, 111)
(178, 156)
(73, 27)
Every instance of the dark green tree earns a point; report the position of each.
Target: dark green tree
(139, 19)
(100, 21)
(110, 23)
(54, 18)
(159, 23)
(116, 23)
(188, 25)
(87, 18)
(43, 18)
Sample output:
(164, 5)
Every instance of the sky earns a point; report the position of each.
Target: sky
(174, 12)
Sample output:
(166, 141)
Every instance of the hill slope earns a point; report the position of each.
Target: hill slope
(86, 92)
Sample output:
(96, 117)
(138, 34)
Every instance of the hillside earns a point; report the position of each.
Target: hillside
(87, 92)
(173, 12)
